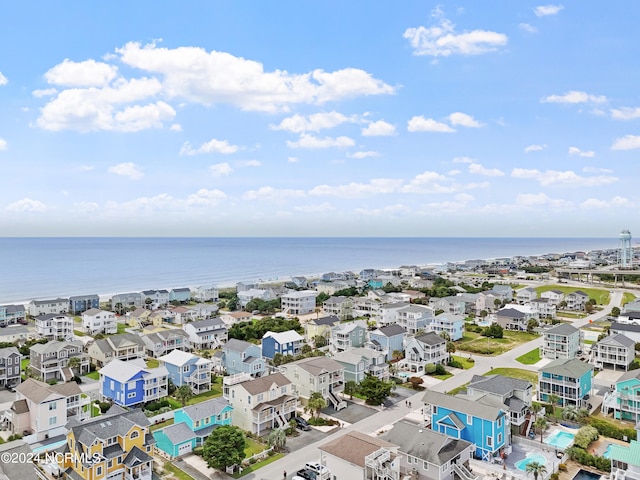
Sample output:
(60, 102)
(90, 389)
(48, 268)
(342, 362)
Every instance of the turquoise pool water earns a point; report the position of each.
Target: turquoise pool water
(51, 446)
(560, 439)
(607, 452)
(533, 457)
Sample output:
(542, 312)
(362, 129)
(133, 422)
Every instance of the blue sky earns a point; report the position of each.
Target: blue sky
(328, 118)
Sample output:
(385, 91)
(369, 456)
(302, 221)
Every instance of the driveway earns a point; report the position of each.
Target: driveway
(352, 414)
(305, 439)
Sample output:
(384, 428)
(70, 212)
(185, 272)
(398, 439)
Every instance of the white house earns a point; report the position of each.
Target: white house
(298, 302)
(96, 321)
(54, 326)
(55, 306)
(561, 341)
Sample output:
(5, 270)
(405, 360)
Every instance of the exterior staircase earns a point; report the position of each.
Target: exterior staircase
(463, 472)
(336, 402)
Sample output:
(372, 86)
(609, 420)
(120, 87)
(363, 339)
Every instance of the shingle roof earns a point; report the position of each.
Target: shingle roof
(54, 346)
(510, 313)
(114, 422)
(329, 320)
(36, 391)
(498, 384)
(625, 327)
(263, 384)
(562, 329)
(573, 368)
(317, 365)
(236, 345)
(483, 406)
(206, 409)
(178, 433)
(354, 447)
(208, 322)
(618, 338)
(391, 330)
(430, 338)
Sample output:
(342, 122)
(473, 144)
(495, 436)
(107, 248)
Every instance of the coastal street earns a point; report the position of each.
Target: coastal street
(295, 460)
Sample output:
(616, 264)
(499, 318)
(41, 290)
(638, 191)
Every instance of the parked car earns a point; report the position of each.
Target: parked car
(307, 474)
(302, 424)
(320, 470)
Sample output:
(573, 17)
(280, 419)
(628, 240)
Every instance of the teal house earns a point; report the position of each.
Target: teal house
(569, 380)
(192, 425)
(624, 399)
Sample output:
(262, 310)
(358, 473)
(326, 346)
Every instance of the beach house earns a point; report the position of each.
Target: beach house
(191, 426)
(82, 303)
(284, 343)
(55, 306)
(448, 323)
(424, 349)
(388, 340)
(155, 299)
(58, 360)
(123, 346)
(131, 383)
(615, 351)
(162, 342)
(54, 326)
(188, 369)
(625, 461)
(10, 359)
(207, 334)
(569, 380)
(561, 341)
(96, 321)
(126, 301)
(624, 399)
(179, 295)
(360, 362)
(340, 307)
(414, 318)
(320, 327)
(347, 335)
(239, 356)
(206, 293)
(298, 302)
(316, 374)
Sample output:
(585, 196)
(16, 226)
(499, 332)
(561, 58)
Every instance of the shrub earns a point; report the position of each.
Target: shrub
(584, 458)
(607, 429)
(493, 331)
(455, 364)
(554, 476)
(585, 436)
(430, 368)
(562, 467)
(440, 370)
(155, 406)
(416, 382)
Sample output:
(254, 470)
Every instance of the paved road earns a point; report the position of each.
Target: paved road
(293, 462)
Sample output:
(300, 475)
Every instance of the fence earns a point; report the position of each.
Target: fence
(161, 417)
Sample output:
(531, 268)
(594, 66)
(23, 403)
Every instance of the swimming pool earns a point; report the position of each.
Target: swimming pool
(49, 447)
(560, 439)
(607, 452)
(586, 475)
(532, 457)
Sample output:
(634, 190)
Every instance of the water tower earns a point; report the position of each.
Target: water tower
(625, 252)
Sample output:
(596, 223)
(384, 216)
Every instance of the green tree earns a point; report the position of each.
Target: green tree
(536, 468)
(493, 331)
(374, 390)
(397, 355)
(319, 341)
(541, 424)
(74, 363)
(588, 307)
(535, 409)
(315, 404)
(585, 436)
(563, 304)
(224, 447)
(277, 439)
(451, 347)
(483, 313)
(118, 308)
(445, 335)
(350, 388)
(416, 382)
(278, 359)
(321, 298)
(553, 400)
(532, 324)
(306, 349)
(574, 414)
(615, 311)
(184, 394)
(497, 303)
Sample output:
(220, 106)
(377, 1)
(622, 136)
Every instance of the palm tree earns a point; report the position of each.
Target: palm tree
(541, 424)
(184, 394)
(535, 409)
(397, 355)
(74, 362)
(570, 413)
(277, 439)
(553, 401)
(536, 468)
(350, 388)
(315, 404)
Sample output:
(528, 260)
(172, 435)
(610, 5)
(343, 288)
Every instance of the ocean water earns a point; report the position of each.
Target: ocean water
(41, 268)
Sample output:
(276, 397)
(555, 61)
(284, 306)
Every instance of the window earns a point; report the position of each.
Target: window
(99, 470)
(131, 395)
(134, 434)
(110, 464)
(249, 399)
(434, 409)
(425, 465)
(499, 422)
(489, 442)
(409, 459)
(53, 420)
(499, 438)
(52, 406)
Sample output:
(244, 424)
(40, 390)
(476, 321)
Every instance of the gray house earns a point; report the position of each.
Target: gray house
(9, 366)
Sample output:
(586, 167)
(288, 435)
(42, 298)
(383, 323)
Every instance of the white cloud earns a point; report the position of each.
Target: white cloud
(628, 142)
(219, 77)
(354, 189)
(463, 160)
(212, 146)
(312, 123)
(596, 170)
(577, 151)
(220, 169)
(421, 124)
(362, 154)
(379, 129)
(160, 202)
(541, 199)
(477, 169)
(625, 113)
(443, 40)
(528, 28)
(292, 159)
(323, 207)
(127, 169)
(574, 97)
(86, 207)
(270, 193)
(547, 10)
(309, 141)
(428, 182)
(464, 120)
(137, 117)
(615, 202)
(397, 209)
(459, 203)
(26, 205)
(46, 92)
(3, 144)
(81, 74)
(176, 127)
(205, 198)
(568, 178)
(534, 148)
(3, 80)
(249, 163)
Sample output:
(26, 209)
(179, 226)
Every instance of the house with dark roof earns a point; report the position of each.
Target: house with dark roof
(191, 426)
(207, 334)
(12, 314)
(631, 330)
(10, 359)
(570, 380)
(576, 300)
(55, 306)
(424, 349)
(360, 362)
(513, 319)
(388, 339)
(181, 295)
(82, 303)
(50, 361)
(123, 346)
(260, 404)
(14, 470)
(561, 341)
(164, 341)
(320, 327)
(154, 299)
(323, 375)
(117, 444)
(426, 454)
(617, 351)
(239, 356)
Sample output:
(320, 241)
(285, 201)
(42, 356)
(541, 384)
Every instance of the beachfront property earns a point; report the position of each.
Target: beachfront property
(452, 325)
(426, 454)
(515, 394)
(58, 360)
(284, 343)
(54, 326)
(15, 334)
(180, 295)
(44, 410)
(625, 461)
(340, 307)
(316, 374)
(320, 327)
(82, 303)
(126, 301)
(154, 299)
(55, 306)
(624, 400)
(206, 293)
(388, 340)
(424, 349)
(260, 404)
(11, 314)
(119, 442)
(347, 335)
(617, 351)
(480, 419)
(570, 380)
(161, 342)
(356, 455)
(10, 359)
(96, 321)
(239, 356)
(360, 362)
(124, 346)
(298, 302)
(188, 369)
(191, 426)
(207, 334)
(245, 296)
(130, 383)
(561, 341)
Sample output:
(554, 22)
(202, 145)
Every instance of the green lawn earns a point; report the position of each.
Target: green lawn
(475, 343)
(589, 342)
(24, 363)
(571, 314)
(121, 327)
(601, 296)
(94, 375)
(252, 447)
(627, 297)
(466, 364)
(158, 426)
(95, 410)
(443, 377)
(256, 466)
(530, 358)
(152, 363)
(457, 390)
(176, 472)
(79, 333)
(515, 373)
(77, 319)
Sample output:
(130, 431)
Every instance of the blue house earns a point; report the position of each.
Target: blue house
(192, 425)
(82, 303)
(568, 379)
(480, 419)
(452, 325)
(188, 369)
(286, 343)
(181, 295)
(239, 356)
(388, 339)
(130, 383)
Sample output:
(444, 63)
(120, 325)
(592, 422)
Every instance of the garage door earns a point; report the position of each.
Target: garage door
(184, 449)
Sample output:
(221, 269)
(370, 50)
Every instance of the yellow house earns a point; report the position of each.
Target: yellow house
(138, 316)
(320, 327)
(116, 445)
